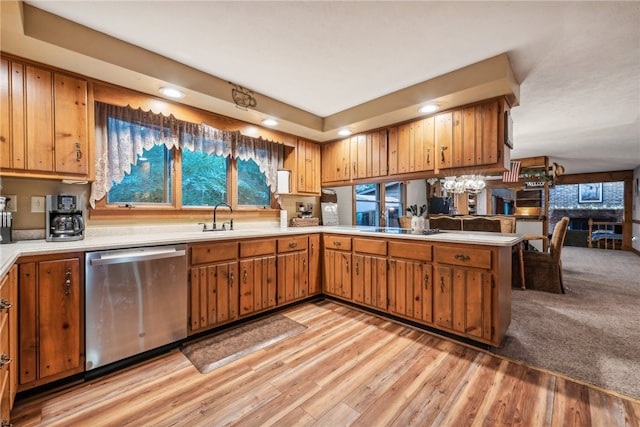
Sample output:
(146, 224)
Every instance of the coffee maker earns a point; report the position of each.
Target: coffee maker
(64, 219)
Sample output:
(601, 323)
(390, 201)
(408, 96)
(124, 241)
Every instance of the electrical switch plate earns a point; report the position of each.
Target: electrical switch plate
(12, 203)
(37, 204)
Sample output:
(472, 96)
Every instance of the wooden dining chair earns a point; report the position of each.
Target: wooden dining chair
(543, 270)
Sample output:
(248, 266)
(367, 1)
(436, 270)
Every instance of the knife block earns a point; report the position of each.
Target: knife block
(5, 235)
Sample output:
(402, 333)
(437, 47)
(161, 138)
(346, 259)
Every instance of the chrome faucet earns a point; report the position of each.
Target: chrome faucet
(214, 228)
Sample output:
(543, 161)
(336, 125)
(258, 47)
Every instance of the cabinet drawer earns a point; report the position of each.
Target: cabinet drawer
(291, 244)
(370, 246)
(257, 248)
(419, 251)
(469, 257)
(340, 243)
(213, 252)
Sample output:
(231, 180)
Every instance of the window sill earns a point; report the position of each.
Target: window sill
(199, 213)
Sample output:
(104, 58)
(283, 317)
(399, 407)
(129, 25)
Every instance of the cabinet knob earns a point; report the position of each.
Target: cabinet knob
(293, 245)
(462, 257)
(441, 284)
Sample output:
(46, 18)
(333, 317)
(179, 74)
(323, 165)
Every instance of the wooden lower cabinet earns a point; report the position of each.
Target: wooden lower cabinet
(8, 343)
(337, 265)
(369, 282)
(51, 301)
(410, 280)
(293, 272)
(214, 296)
(458, 288)
(257, 276)
(234, 279)
(315, 273)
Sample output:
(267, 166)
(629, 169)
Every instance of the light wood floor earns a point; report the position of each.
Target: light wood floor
(347, 368)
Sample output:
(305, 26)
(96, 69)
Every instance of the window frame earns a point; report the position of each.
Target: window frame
(382, 191)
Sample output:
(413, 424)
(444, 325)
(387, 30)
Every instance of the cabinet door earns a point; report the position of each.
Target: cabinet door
(28, 317)
(59, 316)
(337, 273)
(39, 107)
(472, 303)
(490, 120)
(5, 116)
(257, 284)
(71, 142)
(359, 159)
(315, 280)
(377, 141)
(392, 142)
(442, 298)
(443, 140)
(214, 294)
(369, 281)
(405, 148)
(457, 141)
(428, 142)
(410, 292)
(293, 276)
(469, 136)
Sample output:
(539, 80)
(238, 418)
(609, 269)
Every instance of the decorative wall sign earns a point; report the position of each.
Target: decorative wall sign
(590, 193)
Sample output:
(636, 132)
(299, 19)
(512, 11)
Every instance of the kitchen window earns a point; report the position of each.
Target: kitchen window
(156, 162)
(379, 205)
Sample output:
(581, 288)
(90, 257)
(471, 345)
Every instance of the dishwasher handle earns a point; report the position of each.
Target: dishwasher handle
(137, 256)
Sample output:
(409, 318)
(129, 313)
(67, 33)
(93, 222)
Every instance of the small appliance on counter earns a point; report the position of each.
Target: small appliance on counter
(64, 220)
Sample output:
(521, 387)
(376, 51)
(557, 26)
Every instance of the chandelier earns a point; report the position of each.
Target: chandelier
(473, 184)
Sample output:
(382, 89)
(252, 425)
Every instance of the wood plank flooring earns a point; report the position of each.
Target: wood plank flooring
(347, 368)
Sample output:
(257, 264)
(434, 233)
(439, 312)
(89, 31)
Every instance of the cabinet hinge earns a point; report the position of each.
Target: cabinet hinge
(493, 331)
(499, 109)
(493, 283)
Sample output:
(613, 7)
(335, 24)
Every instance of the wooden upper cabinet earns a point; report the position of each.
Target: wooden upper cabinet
(70, 125)
(335, 161)
(411, 147)
(469, 136)
(307, 167)
(39, 123)
(43, 122)
(369, 155)
(444, 140)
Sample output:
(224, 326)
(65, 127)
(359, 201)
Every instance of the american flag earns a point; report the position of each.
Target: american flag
(513, 174)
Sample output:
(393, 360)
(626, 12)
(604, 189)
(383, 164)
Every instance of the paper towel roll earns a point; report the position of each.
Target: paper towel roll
(283, 219)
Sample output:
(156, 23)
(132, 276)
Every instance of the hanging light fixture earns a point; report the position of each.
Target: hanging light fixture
(464, 184)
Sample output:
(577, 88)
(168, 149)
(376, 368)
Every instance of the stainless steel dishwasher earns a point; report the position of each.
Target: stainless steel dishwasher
(136, 301)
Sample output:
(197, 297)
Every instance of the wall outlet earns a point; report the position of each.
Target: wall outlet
(12, 203)
(37, 204)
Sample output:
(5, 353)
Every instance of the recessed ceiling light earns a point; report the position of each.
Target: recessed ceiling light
(171, 92)
(429, 108)
(344, 132)
(270, 122)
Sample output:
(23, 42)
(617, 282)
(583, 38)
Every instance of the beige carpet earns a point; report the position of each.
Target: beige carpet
(212, 352)
(591, 333)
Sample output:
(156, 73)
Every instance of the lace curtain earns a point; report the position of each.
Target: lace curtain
(122, 133)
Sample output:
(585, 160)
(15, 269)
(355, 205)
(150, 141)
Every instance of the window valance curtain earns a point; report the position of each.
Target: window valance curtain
(123, 133)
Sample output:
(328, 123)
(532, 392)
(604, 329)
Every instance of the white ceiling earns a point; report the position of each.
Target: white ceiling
(578, 63)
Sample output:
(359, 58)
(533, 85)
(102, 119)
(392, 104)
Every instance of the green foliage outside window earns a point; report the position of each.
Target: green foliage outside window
(204, 179)
(149, 180)
(252, 185)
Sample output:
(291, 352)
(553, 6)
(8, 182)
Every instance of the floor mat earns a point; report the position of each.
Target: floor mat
(212, 352)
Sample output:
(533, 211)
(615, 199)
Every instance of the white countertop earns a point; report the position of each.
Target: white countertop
(128, 237)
